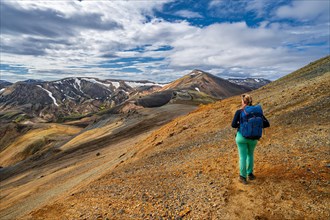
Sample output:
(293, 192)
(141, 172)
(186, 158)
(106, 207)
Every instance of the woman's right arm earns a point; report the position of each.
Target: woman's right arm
(265, 122)
(235, 122)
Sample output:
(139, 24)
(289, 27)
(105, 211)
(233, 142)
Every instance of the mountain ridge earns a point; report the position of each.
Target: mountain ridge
(53, 100)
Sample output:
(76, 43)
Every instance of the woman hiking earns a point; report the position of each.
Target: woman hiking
(249, 121)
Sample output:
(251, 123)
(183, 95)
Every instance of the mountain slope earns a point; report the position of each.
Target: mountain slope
(188, 168)
(74, 160)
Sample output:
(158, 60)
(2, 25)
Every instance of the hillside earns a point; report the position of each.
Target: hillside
(41, 161)
(188, 167)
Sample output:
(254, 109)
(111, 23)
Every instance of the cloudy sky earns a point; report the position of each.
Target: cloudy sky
(160, 40)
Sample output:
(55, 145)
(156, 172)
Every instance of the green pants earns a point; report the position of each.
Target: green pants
(245, 150)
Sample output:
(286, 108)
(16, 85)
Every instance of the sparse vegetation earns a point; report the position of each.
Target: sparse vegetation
(72, 117)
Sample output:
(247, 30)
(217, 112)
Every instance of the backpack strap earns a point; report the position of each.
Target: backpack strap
(243, 110)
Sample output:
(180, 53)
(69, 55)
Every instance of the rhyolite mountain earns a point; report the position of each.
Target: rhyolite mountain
(79, 96)
(207, 83)
(197, 87)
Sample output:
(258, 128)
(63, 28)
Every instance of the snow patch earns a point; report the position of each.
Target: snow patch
(74, 85)
(115, 84)
(1, 90)
(50, 94)
(197, 89)
(257, 80)
(138, 84)
(77, 81)
(95, 81)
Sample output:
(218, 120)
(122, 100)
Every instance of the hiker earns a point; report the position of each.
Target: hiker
(249, 121)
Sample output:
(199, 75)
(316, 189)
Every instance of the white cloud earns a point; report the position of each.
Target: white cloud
(258, 51)
(269, 50)
(215, 3)
(305, 10)
(188, 14)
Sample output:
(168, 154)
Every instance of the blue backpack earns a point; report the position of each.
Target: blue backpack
(251, 122)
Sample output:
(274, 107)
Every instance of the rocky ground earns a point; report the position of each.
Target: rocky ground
(188, 168)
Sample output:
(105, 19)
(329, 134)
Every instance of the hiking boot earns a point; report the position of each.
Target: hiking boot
(251, 176)
(242, 180)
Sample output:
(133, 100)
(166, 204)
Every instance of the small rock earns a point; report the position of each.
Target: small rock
(98, 154)
(185, 127)
(158, 143)
(185, 212)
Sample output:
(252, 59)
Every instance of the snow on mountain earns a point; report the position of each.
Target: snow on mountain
(115, 84)
(138, 84)
(50, 94)
(253, 83)
(95, 81)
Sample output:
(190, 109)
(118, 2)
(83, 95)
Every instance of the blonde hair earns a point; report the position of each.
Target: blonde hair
(247, 99)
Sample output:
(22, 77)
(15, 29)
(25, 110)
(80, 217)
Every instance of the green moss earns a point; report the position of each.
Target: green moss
(20, 118)
(9, 115)
(72, 117)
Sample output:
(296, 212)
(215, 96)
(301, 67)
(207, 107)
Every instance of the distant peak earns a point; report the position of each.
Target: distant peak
(197, 71)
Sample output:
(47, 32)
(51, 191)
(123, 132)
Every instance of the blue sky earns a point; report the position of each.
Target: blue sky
(160, 40)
